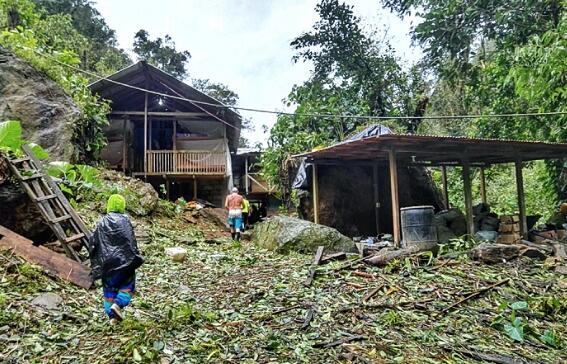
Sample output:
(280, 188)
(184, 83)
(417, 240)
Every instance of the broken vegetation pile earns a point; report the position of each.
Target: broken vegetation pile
(236, 302)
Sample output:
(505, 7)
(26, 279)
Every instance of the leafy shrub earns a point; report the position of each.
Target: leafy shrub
(11, 140)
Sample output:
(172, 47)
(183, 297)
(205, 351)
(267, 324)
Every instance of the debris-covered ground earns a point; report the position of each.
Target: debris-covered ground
(232, 302)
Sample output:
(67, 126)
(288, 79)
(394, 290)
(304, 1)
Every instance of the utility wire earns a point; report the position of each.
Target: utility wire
(345, 116)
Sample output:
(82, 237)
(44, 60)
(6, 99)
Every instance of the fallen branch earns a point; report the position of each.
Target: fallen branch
(308, 319)
(339, 342)
(334, 256)
(355, 285)
(492, 358)
(383, 257)
(476, 294)
(364, 274)
(373, 292)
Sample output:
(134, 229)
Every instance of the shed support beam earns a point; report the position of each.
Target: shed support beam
(145, 133)
(194, 188)
(246, 177)
(167, 188)
(315, 195)
(482, 186)
(124, 146)
(395, 200)
(521, 198)
(174, 138)
(376, 197)
(468, 196)
(445, 187)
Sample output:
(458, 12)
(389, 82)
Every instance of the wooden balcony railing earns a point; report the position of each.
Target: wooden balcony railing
(186, 162)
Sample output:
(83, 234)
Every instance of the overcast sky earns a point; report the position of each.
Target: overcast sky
(243, 43)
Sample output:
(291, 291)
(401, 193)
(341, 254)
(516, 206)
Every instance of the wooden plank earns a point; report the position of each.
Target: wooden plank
(521, 198)
(395, 197)
(124, 146)
(246, 181)
(59, 219)
(333, 256)
(482, 186)
(32, 177)
(20, 160)
(468, 196)
(74, 238)
(53, 263)
(315, 195)
(145, 132)
(445, 187)
(313, 269)
(170, 114)
(375, 181)
(44, 198)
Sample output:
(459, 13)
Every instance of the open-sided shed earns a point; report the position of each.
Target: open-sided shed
(394, 150)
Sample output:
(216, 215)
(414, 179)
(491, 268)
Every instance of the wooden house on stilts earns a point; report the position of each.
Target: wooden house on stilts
(173, 136)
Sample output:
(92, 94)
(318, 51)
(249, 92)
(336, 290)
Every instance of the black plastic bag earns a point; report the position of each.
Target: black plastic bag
(113, 246)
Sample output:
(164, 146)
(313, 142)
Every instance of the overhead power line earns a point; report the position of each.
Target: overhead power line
(315, 115)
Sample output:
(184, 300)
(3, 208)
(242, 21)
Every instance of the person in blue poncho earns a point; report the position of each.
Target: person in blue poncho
(115, 257)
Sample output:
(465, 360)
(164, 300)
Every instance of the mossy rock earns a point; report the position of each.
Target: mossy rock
(285, 234)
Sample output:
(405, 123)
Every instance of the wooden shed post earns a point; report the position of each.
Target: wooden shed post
(395, 199)
(375, 185)
(445, 187)
(246, 178)
(124, 145)
(145, 133)
(194, 188)
(468, 196)
(521, 198)
(315, 195)
(482, 185)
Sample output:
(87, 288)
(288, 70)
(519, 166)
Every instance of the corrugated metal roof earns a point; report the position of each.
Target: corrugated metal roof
(439, 149)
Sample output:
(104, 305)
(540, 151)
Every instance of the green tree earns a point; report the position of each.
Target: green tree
(50, 43)
(454, 32)
(101, 53)
(217, 90)
(354, 73)
(161, 52)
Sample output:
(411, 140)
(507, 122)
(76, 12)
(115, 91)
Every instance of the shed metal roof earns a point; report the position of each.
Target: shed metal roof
(146, 76)
(436, 150)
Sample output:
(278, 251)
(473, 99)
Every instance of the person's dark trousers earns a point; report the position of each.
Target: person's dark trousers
(244, 221)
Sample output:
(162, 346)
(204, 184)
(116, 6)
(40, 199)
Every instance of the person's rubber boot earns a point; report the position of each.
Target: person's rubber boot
(233, 235)
(237, 236)
(117, 311)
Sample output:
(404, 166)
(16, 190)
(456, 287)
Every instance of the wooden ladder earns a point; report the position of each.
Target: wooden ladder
(51, 203)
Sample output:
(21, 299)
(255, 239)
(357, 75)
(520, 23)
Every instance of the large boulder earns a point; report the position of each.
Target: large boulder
(47, 115)
(46, 112)
(141, 198)
(285, 234)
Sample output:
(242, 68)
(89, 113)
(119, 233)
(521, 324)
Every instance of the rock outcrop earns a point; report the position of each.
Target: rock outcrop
(285, 234)
(46, 112)
(47, 115)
